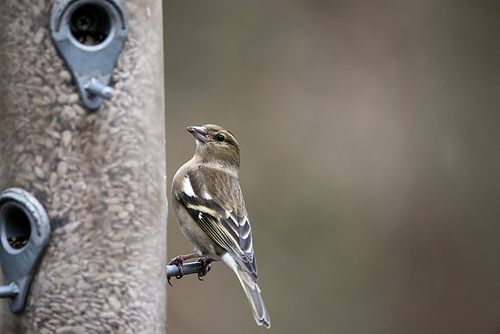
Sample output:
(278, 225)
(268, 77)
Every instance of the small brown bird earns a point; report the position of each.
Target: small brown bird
(209, 206)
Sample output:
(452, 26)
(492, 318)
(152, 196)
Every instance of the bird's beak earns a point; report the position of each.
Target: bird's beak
(198, 132)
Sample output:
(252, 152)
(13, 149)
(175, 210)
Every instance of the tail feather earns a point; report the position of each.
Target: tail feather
(252, 291)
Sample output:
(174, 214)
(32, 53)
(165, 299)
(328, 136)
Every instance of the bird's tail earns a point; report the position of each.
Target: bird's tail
(252, 291)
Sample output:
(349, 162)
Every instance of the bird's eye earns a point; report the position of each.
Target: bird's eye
(220, 138)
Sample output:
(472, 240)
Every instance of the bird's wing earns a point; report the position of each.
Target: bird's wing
(218, 208)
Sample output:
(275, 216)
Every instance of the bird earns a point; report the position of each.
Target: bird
(208, 203)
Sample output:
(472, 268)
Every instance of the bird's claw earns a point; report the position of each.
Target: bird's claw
(206, 262)
(177, 261)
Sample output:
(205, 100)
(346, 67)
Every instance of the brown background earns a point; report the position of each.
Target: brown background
(370, 136)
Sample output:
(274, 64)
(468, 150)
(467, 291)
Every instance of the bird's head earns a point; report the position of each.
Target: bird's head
(216, 145)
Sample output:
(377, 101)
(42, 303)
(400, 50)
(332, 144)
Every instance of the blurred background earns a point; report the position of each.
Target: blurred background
(369, 133)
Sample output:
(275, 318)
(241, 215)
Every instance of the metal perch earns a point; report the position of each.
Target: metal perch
(9, 291)
(189, 268)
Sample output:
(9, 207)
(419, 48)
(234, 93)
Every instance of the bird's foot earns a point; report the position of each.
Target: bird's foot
(206, 260)
(178, 261)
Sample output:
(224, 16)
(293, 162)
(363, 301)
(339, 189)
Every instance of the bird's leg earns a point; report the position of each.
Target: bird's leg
(206, 260)
(178, 261)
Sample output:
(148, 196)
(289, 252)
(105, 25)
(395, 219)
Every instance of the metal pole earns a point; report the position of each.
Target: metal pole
(99, 174)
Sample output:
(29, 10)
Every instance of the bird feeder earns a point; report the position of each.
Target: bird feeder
(82, 135)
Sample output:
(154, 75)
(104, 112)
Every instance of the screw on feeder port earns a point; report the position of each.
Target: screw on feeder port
(84, 19)
(94, 87)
